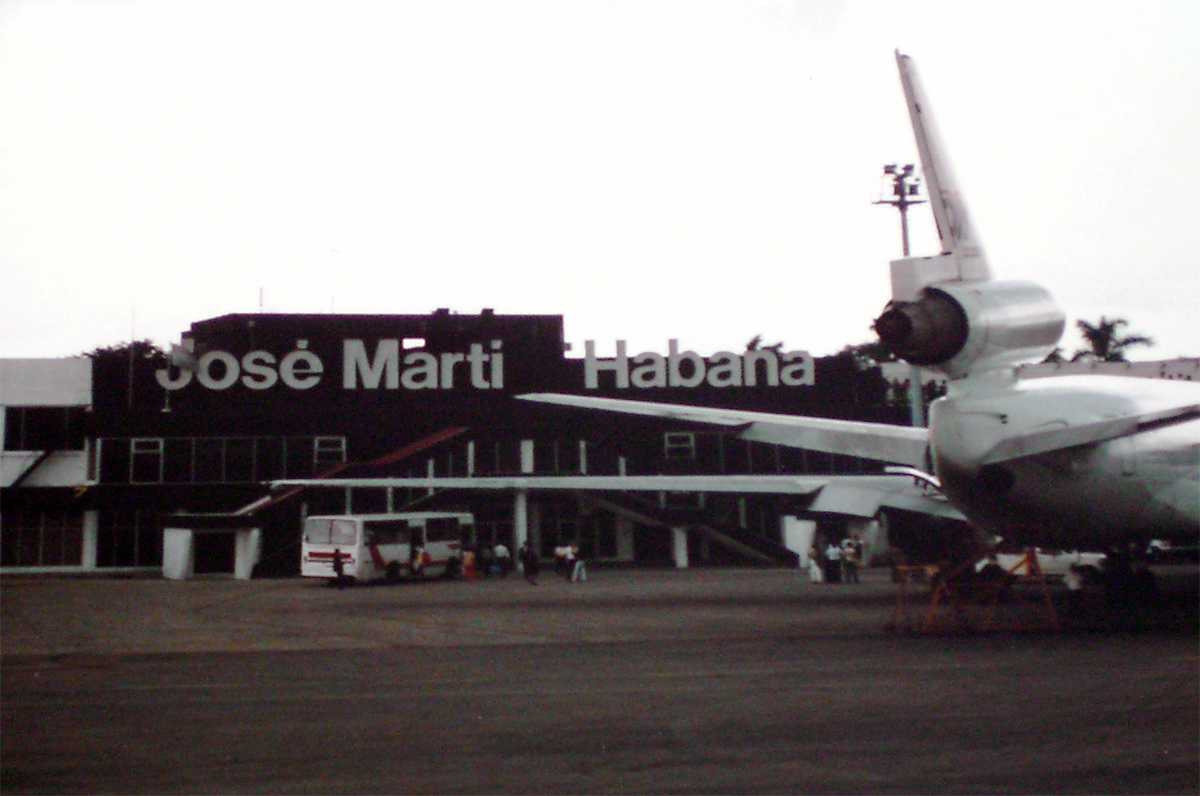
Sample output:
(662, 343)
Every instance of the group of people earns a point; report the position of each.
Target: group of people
(487, 561)
(835, 563)
(497, 561)
(566, 560)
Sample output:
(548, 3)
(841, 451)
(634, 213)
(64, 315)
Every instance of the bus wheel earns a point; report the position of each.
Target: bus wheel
(393, 571)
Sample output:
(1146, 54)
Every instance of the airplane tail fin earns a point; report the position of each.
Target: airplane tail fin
(962, 256)
(946, 311)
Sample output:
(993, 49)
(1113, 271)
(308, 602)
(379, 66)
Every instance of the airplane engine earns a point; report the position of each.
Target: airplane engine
(960, 326)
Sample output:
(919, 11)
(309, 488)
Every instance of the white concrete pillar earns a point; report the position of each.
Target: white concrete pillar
(526, 456)
(470, 458)
(520, 520)
(179, 557)
(624, 530)
(679, 547)
(91, 538)
(247, 548)
(798, 536)
(583, 457)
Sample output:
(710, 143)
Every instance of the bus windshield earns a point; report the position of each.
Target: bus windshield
(327, 531)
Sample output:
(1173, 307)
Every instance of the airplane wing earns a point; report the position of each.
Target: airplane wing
(875, 441)
(1059, 437)
(854, 495)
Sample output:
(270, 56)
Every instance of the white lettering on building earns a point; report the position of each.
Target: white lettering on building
(421, 370)
(383, 367)
(219, 370)
(388, 365)
(689, 369)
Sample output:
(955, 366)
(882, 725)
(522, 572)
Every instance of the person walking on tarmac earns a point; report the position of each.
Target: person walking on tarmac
(833, 567)
(502, 559)
(339, 569)
(530, 562)
(578, 568)
(851, 555)
(417, 559)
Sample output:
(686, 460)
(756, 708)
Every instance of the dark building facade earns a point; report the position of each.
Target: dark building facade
(253, 398)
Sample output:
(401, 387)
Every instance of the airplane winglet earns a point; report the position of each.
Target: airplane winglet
(957, 236)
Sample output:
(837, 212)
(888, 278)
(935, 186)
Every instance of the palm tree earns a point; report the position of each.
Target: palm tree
(1105, 341)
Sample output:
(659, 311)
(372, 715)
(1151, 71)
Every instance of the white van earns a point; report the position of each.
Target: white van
(378, 546)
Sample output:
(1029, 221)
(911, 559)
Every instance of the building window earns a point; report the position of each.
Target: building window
(44, 428)
(34, 538)
(679, 445)
(212, 460)
(128, 539)
(328, 451)
(146, 461)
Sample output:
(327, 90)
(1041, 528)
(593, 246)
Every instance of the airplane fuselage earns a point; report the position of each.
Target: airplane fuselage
(1142, 484)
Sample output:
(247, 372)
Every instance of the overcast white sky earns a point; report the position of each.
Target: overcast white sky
(648, 170)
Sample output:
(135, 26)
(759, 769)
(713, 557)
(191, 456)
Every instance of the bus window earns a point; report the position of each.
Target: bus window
(385, 532)
(343, 532)
(327, 531)
(440, 529)
(316, 531)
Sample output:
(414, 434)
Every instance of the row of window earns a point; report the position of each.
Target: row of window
(195, 460)
(44, 428)
(40, 538)
(34, 537)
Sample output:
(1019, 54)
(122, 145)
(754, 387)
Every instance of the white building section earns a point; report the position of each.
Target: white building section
(64, 381)
(42, 405)
(29, 387)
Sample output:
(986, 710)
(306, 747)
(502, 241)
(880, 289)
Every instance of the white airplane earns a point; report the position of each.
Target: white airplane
(1091, 462)
(1077, 462)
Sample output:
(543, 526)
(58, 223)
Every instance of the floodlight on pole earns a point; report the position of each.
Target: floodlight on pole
(906, 190)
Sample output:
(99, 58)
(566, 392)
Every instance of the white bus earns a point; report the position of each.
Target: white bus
(377, 546)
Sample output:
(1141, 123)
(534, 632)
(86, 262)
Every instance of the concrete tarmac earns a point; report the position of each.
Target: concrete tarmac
(638, 681)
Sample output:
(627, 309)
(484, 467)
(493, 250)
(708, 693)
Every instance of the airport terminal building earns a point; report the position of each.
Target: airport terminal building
(102, 453)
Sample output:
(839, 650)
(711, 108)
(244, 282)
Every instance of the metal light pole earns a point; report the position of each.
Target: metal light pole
(905, 193)
(905, 190)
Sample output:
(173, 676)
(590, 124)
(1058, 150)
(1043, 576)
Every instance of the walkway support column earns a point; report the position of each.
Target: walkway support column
(247, 546)
(520, 522)
(91, 539)
(179, 558)
(679, 541)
